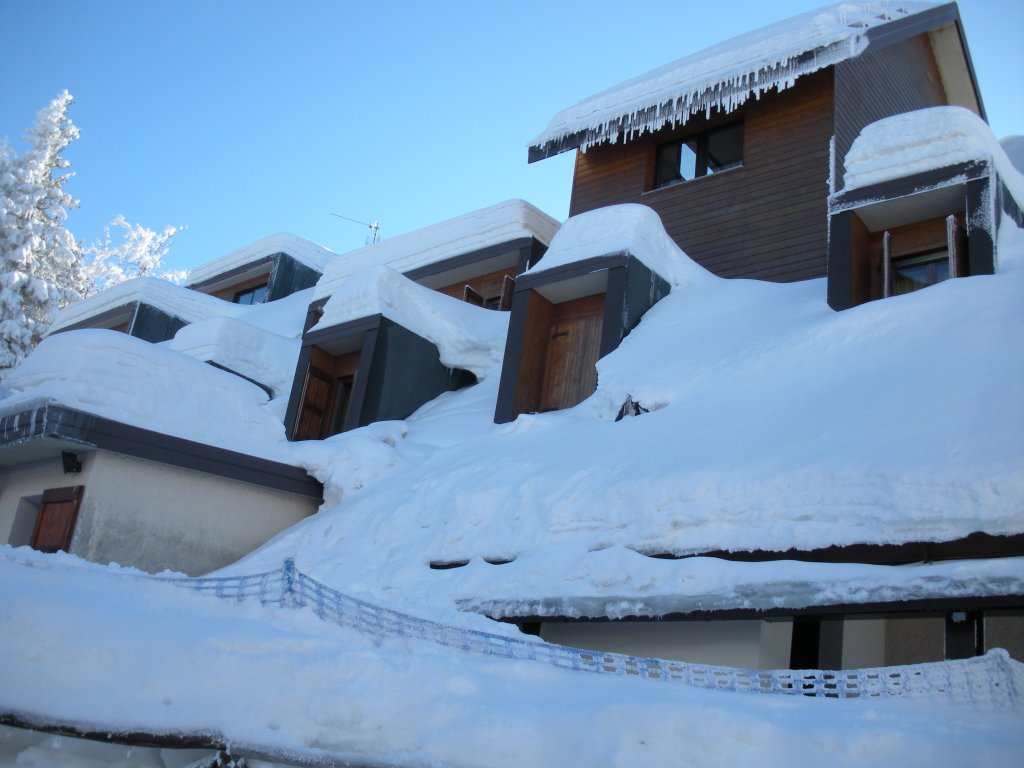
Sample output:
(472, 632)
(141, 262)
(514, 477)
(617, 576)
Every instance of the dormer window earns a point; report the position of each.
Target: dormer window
(255, 295)
(704, 154)
(915, 272)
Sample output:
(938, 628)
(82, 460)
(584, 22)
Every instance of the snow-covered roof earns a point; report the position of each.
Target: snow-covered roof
(299, 248)
(914, 142)
(631, 228)
(723, 76)
(498, 224)
(186, 304)
(145, 385)
(467, 337)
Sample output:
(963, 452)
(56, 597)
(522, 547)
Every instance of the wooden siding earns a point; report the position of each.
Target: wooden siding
(766, 219)
(489, 286)
(881, 83)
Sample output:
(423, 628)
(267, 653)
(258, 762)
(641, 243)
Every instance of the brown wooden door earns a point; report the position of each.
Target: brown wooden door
(317, 397)
(574, 343)
(56, 522)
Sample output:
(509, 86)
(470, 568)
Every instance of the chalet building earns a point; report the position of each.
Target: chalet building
(568, 314)
(355, 370)
(734, 146)
(147, 308)
(267, 270)
(112, 492)
(898, 225)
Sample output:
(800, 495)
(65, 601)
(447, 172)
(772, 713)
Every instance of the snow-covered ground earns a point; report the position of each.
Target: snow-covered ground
(774, 423)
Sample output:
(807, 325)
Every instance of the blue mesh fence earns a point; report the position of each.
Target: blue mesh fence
(992, 681)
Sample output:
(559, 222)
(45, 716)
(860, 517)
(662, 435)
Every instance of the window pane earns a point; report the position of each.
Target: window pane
(676, 163)
(915, 272)
(725, 148)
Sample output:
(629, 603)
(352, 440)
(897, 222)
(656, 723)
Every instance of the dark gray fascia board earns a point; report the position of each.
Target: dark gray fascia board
(960, 173)
(61, 423)
(108, 316)
(233, 273)
(349, 328)
(471, 257)
(569, 271)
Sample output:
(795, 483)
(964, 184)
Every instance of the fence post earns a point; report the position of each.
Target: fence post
(288, 572)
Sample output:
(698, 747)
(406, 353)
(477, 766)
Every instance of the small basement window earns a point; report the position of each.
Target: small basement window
(705, 154)
(255, 295)
(912, 273)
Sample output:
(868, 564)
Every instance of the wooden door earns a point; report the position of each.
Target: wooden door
(58, 512)
(317, 397)
(574, 343)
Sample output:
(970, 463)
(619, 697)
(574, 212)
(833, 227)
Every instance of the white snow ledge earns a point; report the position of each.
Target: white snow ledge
(723, 76)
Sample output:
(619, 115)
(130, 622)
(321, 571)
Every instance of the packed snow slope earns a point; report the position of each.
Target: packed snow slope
(774, 423)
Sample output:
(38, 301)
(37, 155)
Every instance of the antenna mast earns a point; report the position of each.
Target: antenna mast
(374, 227)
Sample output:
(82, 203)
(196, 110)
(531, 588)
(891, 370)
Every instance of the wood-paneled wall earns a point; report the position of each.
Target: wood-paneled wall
(766, 219)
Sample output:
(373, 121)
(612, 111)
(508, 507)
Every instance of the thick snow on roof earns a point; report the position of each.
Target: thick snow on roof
(724, 75)
(189, 305)
(467, 337)
(900, 146)
(299, 248)
(122, 378)
(1013, 146)
(635, 229)
(501, 223)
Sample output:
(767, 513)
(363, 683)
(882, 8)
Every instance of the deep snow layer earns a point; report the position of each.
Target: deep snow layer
(85, 644)
(299, 248)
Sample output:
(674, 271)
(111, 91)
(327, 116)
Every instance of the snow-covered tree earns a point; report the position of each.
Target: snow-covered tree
(40, 261)
(42, 266)
(138, 252)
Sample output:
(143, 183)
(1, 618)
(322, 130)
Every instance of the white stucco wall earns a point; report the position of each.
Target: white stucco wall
(729, 643)
(153, 516)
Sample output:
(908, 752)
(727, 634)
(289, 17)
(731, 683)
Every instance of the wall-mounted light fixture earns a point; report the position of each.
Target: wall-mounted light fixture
(72, 466)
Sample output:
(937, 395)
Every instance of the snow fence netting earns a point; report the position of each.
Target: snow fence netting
(993, 681)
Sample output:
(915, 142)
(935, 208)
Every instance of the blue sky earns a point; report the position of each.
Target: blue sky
(240, 119)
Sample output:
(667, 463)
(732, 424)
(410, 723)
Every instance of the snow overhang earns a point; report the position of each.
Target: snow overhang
(444, 253)
(726, 75)
(255, 259)
(616, 584)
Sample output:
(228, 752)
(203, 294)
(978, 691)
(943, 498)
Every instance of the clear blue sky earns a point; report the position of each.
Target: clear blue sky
(240, 119)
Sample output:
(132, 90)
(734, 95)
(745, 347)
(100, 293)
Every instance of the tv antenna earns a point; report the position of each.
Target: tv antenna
(374, 227)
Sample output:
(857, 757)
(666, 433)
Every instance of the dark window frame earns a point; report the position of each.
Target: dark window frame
(250, 293)
(704, 164)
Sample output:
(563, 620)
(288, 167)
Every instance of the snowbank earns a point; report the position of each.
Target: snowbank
(914, 142)
(299, 248)
(173, 299)
(467, 337)
(635, 229)
(96, 645)
(724, 76)
(501, 223)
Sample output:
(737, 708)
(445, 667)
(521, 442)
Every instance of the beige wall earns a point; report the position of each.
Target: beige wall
(751, 644)
(156, 517)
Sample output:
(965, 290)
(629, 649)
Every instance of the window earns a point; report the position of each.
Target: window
(255, 295)
(914, 272)
(705, 154)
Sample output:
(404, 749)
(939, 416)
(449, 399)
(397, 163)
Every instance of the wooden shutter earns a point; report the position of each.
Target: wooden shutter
(472, 296)
(508, 287)
(317, 396)
(574, 344)
(56, 522)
